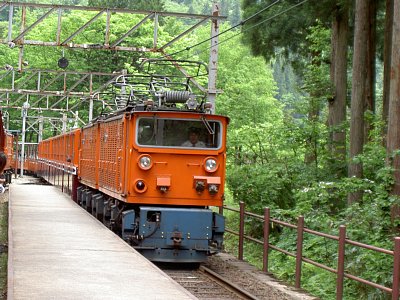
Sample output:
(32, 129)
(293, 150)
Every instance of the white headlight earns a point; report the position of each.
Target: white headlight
(211, 165)
(145, 162)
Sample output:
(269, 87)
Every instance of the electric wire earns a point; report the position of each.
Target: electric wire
(251, 27)
(229, 29)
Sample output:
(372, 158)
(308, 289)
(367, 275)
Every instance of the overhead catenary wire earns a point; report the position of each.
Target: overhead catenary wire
(241, 23)
(255, 25)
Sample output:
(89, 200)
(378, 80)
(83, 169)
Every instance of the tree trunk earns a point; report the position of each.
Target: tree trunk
(337, 107)
(386, 65)
(358, 93)
(371, 69)
(393, 137)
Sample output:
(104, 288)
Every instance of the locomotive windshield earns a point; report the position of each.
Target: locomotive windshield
(178, 133)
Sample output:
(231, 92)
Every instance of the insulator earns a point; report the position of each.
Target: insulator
(191, 104)
(176, 96)
(121, 101)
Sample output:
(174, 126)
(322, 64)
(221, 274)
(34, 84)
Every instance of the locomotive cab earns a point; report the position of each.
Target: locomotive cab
(182, 156)
(174, 178)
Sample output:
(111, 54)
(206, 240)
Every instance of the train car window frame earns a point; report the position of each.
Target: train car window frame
(164, 132)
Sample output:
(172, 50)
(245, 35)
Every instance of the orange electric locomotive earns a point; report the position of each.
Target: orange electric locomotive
(152, 169)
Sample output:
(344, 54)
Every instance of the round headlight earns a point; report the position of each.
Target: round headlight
(210, 165)
(145, 162)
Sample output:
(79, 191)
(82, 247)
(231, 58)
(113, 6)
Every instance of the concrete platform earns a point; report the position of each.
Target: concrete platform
(58, 251)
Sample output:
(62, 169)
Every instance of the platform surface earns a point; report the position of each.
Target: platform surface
(59, 251)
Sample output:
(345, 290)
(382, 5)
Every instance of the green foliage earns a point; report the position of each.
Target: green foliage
(257, 126)
(316, 76)
(157, 5)
(270, 151)
(323, 205)
(287, 82)
(266, 187)
(230, 9)
(267, 168)
(248, 88)
(272, 33)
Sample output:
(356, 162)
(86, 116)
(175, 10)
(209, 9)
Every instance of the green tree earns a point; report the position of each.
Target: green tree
(393, 139)
(270, 34)
(358, 92)
(338, 98)
(263, 141)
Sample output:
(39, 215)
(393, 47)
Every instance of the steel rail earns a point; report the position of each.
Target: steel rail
(227, 284)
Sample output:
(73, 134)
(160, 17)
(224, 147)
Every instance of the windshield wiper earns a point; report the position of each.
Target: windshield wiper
(207, 125)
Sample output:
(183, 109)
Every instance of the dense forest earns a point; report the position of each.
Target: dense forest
(312, 90)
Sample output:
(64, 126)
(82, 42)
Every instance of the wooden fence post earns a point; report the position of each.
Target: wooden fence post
(396, 269)
(299, 252)
(340, 266)
(241, 231)
(266, 238)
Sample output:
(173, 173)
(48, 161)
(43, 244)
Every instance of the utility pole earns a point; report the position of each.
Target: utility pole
(25, 108)
(213, 62)
(40, 135)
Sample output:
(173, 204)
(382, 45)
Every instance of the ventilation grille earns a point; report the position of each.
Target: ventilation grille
(88, 155)
(111, 148)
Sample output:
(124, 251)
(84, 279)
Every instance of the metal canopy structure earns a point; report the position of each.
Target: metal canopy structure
(59, 90)
(51, 90)
(64, 37)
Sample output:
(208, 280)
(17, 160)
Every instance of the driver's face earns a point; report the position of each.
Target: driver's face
(193, 137)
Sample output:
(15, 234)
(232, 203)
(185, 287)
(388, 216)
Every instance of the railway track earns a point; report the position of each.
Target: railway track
(204, 283)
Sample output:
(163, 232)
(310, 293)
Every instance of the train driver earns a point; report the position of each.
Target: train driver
(193, 140)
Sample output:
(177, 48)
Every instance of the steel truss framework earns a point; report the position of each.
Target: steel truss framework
(52, 90)
(62, 91)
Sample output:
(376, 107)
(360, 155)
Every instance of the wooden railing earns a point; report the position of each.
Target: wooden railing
(299, 227)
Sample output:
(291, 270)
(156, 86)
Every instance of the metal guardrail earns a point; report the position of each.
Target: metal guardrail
(342, 242)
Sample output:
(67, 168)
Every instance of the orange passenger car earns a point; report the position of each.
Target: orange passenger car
(7, 147)
(58, 153)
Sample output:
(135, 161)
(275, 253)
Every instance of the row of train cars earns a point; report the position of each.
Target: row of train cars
(137, 173)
